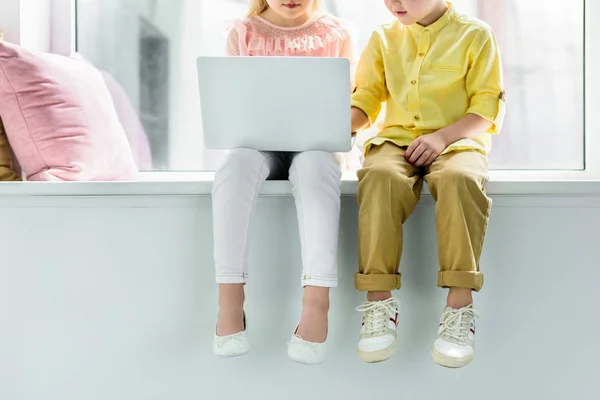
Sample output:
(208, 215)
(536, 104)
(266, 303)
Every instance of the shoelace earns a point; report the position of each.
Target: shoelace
(377, 314)
(455, 323)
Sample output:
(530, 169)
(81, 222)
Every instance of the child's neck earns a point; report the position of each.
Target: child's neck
(437, 13)
(278, 20)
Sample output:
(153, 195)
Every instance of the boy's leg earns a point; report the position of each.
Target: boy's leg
(457, 183)
(388, 191)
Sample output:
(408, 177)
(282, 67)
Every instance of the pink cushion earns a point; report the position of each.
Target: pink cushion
(60, 119)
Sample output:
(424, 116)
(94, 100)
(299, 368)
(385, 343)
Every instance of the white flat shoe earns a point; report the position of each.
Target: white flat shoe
(232, 345)
(304, 352)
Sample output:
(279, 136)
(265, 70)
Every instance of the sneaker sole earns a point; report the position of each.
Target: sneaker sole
(450, 362)
(377, 356)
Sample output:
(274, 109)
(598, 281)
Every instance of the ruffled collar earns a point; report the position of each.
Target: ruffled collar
(315, 18)
(314, 38)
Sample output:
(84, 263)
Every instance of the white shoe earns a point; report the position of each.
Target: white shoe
(455, 345)
(232, 345)
(304, 352)
(378, 334)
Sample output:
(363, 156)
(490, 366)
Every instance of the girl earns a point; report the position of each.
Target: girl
(439, 73)
(280, 28)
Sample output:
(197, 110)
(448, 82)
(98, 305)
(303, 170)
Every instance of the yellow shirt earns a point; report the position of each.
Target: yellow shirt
(430, 77)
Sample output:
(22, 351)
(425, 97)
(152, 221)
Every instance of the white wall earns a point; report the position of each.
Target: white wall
(112, 297)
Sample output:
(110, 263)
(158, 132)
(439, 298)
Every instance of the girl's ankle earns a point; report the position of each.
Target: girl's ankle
(316, 298)
(231, 309)
(316, 305)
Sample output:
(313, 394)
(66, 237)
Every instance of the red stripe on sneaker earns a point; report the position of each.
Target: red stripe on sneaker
(473, 331)
(395, 319)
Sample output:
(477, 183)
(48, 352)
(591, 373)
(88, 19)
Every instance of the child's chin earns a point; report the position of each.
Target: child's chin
(405, 19)
(407, 22)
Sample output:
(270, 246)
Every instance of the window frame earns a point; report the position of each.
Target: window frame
(64, 37)
(63, 26)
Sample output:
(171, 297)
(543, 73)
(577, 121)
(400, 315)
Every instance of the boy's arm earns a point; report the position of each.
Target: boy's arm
(370, 90)
(486, 109)
(470, 126)
(359, 119)
(425, 149)
(486, 92)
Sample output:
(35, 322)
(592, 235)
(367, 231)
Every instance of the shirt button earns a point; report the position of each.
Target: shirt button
(417, 118)
(413, 82)
(421, 54)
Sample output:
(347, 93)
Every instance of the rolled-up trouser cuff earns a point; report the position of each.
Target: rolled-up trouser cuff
(231, 279)
(377, 282)
(319, 282)
(462, 279)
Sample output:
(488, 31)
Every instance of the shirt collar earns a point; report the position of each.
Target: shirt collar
(437, 25)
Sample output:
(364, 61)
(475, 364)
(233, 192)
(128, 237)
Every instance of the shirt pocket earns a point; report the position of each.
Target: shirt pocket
(445, 74)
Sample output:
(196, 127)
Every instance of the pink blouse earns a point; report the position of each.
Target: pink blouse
(323, 36)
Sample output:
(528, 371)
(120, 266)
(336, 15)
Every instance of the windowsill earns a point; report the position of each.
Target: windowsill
(200, 184)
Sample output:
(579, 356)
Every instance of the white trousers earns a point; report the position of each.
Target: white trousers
(316, 181)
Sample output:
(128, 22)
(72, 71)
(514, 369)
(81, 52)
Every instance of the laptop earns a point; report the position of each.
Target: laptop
(275, 103)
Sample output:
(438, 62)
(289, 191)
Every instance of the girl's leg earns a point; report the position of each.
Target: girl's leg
(316, 181)
(235, 191)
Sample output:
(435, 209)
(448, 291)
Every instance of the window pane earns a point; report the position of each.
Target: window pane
(150, 48)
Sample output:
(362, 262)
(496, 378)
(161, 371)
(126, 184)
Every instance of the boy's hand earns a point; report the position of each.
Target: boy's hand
(359, 119)
(425, 150)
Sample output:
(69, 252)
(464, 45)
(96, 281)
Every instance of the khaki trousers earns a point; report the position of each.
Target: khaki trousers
(388, 191)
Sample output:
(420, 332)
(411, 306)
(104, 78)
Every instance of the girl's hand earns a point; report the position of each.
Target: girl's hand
(425, 149)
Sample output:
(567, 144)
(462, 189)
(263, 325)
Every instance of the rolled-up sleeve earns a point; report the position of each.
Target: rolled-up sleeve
(370, 90)
(484, 82)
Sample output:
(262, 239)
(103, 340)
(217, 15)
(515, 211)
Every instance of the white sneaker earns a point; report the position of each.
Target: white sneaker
(304, 352)
(378, 334)
(232, 345)
(455, 345)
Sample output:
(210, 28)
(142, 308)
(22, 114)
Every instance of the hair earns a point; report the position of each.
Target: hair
(258, 7)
